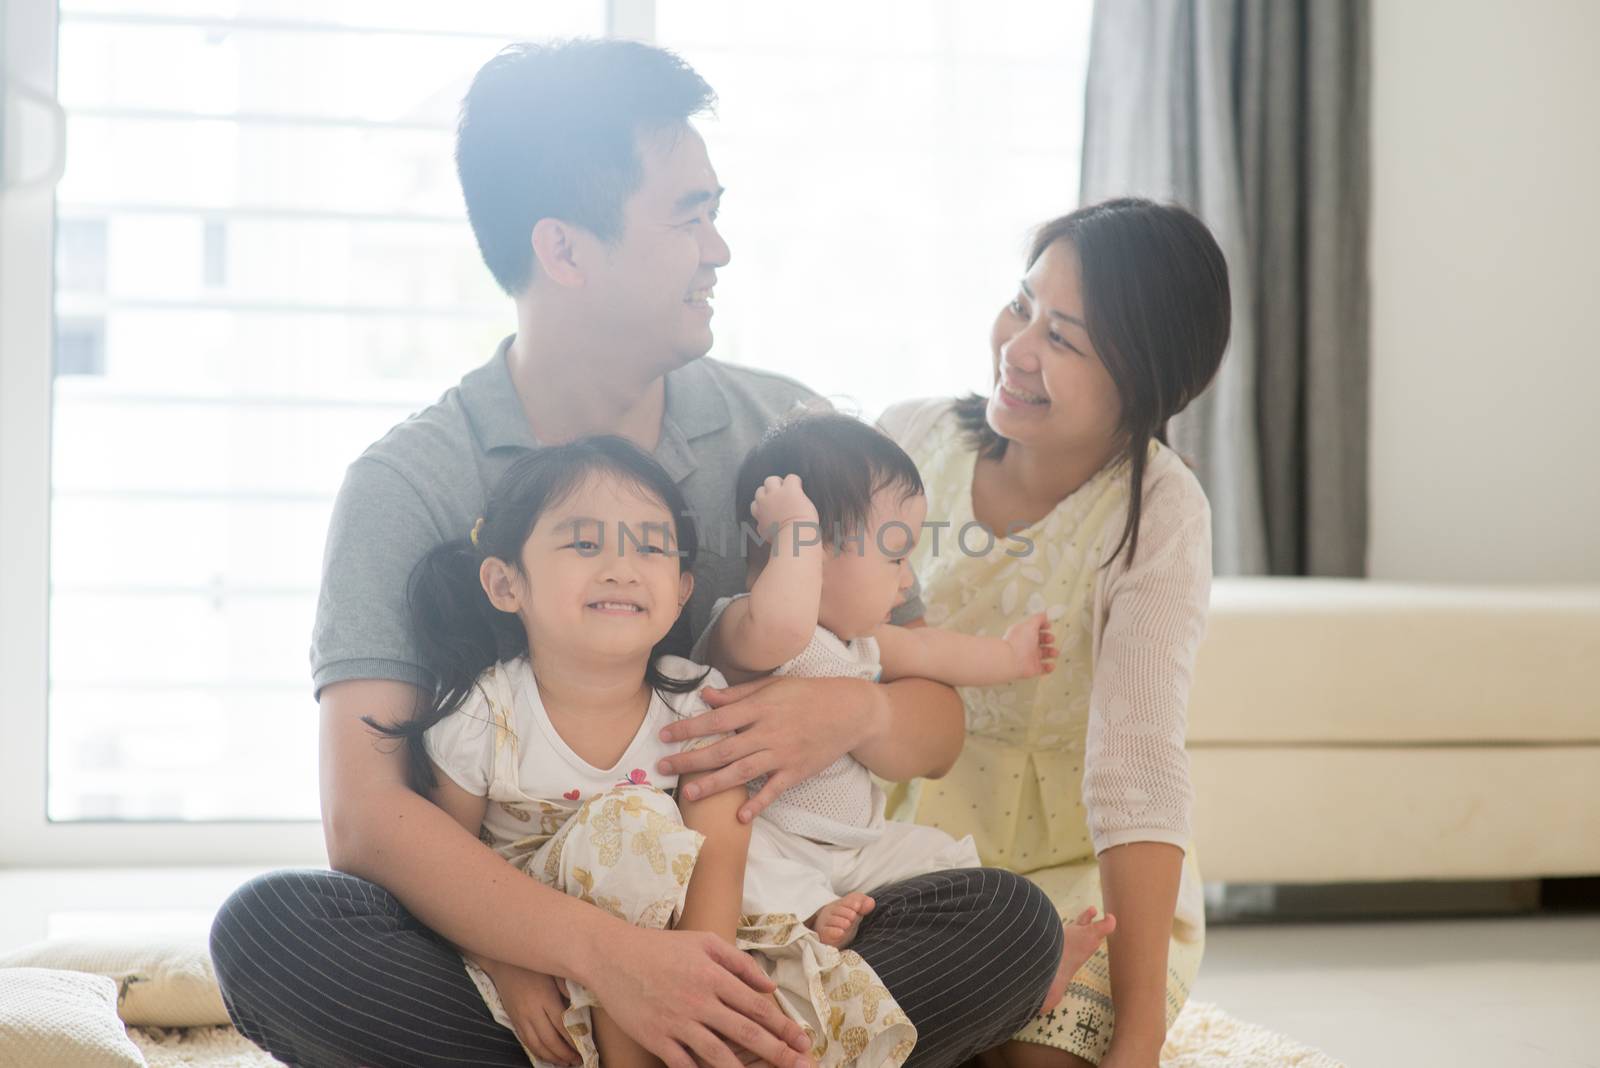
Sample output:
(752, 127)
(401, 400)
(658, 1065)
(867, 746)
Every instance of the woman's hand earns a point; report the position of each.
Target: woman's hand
(1033, 645)
(689, 997)
(535, 1002)
(1126, 1057)
(788, 729)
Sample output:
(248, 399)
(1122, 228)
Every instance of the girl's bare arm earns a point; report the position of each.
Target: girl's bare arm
(715, 896)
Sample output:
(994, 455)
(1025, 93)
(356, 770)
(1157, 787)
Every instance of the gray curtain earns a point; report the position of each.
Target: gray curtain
(1253, 114)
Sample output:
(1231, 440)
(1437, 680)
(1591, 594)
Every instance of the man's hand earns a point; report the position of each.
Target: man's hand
(690, 998)
(535, 1002)
(1033, 646)
(788, 729)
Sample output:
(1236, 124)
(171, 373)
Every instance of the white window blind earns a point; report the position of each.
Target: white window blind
(262, 263)
(884, 164)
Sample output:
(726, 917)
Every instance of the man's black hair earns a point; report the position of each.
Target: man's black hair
(551, 131)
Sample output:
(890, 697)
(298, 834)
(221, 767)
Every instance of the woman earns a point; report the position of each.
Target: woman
(1062, 496)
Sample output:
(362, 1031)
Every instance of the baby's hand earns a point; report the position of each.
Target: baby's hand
(1033, 646)
(783, 500)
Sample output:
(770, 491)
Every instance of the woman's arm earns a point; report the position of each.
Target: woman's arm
(715, 896)
(1139, 884)
(1136, 784)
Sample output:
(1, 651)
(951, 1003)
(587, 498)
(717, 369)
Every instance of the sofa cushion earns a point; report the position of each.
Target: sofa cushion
(62, 1019)
(159, 983)
(1329, 661)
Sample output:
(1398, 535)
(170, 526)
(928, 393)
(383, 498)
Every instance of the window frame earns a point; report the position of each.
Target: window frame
(28, 837)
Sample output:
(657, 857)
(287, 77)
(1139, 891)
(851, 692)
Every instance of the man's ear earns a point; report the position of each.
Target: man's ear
(500, 584)
(685, 588)
(558, 251)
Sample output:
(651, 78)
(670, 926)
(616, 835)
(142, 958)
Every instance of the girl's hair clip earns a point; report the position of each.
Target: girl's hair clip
(476, 527)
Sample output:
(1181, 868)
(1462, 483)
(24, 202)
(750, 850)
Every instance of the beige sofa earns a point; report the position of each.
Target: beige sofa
(1356, 731)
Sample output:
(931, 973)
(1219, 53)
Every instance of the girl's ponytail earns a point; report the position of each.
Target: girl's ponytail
(459, 635)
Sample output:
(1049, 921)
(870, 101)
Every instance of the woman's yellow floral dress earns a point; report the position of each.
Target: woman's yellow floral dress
(1018, 785)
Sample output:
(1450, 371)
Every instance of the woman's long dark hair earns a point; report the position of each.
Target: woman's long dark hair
(1156, 306)
(459, 633)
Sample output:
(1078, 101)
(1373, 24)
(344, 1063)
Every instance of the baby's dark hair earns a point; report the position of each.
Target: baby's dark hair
(459, 633)
(842, 463)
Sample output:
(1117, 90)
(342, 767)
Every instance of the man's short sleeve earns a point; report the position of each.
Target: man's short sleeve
(380, 529)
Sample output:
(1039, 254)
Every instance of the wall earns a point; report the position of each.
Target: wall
(1486, 290)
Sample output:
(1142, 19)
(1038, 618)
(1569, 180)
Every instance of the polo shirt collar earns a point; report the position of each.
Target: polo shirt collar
(694, 407)
(695, 401)
(491, 404)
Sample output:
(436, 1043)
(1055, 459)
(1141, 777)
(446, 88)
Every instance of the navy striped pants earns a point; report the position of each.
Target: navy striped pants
(325, 970)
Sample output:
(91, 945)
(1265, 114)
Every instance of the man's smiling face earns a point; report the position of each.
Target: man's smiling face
(654, 283)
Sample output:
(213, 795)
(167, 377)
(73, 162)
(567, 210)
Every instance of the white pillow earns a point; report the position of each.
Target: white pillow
(160, 983)
(56, 1019)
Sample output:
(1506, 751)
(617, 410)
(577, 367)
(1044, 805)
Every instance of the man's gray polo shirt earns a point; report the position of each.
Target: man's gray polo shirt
(427, 480)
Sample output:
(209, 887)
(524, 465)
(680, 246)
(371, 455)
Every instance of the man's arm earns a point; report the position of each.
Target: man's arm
(947, 716)
(791, 728)
(377, 828)
(919, 735)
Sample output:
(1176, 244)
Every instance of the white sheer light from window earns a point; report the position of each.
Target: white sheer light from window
(884, 163)
(262, 264)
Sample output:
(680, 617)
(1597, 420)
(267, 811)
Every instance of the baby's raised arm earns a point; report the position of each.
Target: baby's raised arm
(1028, 649)
(760, 632)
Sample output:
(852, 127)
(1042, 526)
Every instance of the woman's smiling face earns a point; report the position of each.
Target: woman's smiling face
(1050, 389)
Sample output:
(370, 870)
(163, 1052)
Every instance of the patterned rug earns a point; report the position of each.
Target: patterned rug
(1203, 1037)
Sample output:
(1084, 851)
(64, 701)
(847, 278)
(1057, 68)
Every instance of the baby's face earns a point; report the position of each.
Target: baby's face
(862, 582)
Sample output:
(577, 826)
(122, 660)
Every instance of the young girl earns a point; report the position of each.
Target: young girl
(838, 507)
(543, 630)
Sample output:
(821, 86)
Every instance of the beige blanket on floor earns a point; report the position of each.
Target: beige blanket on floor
(1203, 1037)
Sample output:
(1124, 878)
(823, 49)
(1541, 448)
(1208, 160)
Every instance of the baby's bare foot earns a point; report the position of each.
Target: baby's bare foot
(1080, 939)
(836, 922)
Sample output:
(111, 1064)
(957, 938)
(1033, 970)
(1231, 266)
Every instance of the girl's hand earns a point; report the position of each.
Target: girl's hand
(690, 998)
(788, 729)
(782, 500)
(1033, 645)
(535, 1002)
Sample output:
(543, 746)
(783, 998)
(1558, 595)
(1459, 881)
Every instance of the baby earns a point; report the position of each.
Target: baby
(838, 507)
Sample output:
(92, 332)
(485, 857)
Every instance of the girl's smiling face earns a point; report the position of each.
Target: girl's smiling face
(598, 575)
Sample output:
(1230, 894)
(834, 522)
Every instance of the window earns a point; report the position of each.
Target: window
(257, 261)
(884, 165)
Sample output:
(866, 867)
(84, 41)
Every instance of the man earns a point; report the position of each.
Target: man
(594, 205)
